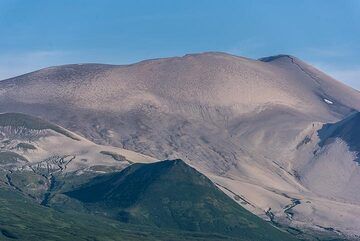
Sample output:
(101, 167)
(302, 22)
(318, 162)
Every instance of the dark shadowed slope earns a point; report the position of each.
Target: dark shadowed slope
(172, 195)
(347, 129)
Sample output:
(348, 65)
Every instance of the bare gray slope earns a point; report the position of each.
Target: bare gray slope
(162, 95)
(237, 120)
(184, 105)
(192, 82)
(333, 170)
(322, 85)
(38, 144)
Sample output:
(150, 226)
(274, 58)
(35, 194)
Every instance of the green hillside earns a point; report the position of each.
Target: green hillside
(172, 195)
(23, 219)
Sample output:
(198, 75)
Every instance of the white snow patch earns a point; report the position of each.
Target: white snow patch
(328, 101)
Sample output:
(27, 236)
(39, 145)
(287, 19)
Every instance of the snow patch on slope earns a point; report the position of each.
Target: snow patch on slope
(328, 101)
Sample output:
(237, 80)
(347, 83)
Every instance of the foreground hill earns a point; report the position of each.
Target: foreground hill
(249, 125)
(172, 195)
(22, 219)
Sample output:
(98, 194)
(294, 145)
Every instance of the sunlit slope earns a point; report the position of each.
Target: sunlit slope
(209, 80)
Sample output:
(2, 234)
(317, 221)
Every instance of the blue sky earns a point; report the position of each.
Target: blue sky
(36, 34)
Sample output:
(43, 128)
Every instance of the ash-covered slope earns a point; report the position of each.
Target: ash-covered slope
(34, 151)
(333, 169)
(192, 82)
(40, 142)
(165, 107)
(241, 122)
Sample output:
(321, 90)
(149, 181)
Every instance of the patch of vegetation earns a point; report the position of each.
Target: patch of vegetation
(8, 234)
(25, 146)
(31, 122)
(103, 168)
(115, 156)
(29, 182)
(6, 141)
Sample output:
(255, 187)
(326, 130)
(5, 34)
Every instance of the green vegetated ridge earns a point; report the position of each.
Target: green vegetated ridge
(23, 219)
(172, 195)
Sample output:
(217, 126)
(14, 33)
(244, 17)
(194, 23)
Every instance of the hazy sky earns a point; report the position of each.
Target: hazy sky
(39, 33)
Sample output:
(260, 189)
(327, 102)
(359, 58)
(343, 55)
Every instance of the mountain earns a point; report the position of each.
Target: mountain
(251, 126)
(195, 81)
(172, 195)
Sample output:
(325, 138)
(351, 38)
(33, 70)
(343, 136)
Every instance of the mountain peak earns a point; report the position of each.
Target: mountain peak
(214, 53)
(175, 162)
